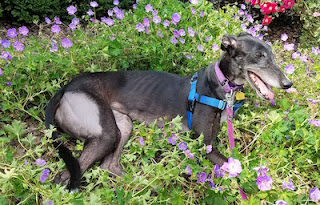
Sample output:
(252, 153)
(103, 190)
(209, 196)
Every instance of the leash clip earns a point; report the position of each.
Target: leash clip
(230, 99)
(191, 105)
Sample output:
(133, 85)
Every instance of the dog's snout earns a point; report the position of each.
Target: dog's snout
(287, 84)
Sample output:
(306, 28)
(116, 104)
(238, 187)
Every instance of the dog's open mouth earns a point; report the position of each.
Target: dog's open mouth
(262, 88)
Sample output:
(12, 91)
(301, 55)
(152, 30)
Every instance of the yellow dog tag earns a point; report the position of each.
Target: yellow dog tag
(240, 96)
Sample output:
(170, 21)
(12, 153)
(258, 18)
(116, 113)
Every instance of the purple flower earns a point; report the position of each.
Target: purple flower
(215, 47)
(94, 4)
(115, 2)
(233, 167)
(315, 194)
(200, 48)
(141, 141)
(120, 15)
(166, 23)
(182, 32)
(190, 32)
(148, 8)
(18, 46)
(54, 46)
(40, 162)
(243, 7)
(296, 54)
(147, 31)
(57, 20)
(5, 43)
(194, 1)
(209, 148)
(202, 177)
(154, 13)
(208, 38)
(110, 12)
(1, 74)
(55, 29)
(211, 184)
(115, 9)
(313, 101)
(156, 19)
(175, 18)
(182, 40)
(146, 22)
(90, 12)
(249, 18)
(189, 154)
(75, 21)
(188, 57)
(244, 27)
(44, 175)
(72, 26)
(23, 30)
(193, 11)
(173, 40)
(303, 59)
(202, 14)
(281, 202)
(50, 202)
(264, 183)
(289, 69)
(240, 12)
(217, 171)
(12, 32)
(47, 20)
(66, 43)
(107, 21)
(160, 34)
(291, 90)
(140, 27)
(182, 146)
(134, 6)
(284, 37)
(25, 162)
(176, 33)
(8, 83)
(261, 171)
(172, 140)
(316, 14)
(315, 51)
(6, 55)
(289, 46)
(189, 170)
(316, 123)
(288, 185)
(71, 10)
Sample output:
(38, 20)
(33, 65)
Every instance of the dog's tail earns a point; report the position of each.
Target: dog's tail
(72, 163)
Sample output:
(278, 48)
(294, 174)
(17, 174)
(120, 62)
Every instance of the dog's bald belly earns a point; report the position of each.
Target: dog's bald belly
(78, 115)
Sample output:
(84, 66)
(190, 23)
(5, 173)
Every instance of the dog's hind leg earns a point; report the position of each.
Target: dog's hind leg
(112, 161)
(91, 121)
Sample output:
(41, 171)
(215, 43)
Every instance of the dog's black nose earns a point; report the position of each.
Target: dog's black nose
(287, 84)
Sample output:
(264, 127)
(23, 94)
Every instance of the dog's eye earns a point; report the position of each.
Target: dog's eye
(260, 54)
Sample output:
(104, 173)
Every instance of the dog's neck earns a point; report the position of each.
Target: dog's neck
(225, 65)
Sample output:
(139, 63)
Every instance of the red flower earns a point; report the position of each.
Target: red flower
(255, 2)
(267, 20)
(268, 8)
(282, 9)
(287, 4)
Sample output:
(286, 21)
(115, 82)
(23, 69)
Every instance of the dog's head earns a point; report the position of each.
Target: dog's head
(251, 59)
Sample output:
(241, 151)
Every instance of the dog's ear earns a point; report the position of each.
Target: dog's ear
(229, 44)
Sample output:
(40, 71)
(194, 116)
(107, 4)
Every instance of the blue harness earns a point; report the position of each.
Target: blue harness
(212, 102)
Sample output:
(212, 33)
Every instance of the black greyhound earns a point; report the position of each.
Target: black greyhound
(99, 107)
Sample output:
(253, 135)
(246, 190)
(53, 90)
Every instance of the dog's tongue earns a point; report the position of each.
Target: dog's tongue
(262, 87)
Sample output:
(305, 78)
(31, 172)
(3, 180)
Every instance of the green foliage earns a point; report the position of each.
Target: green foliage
(311, 24)
(278, 137)
(30, 11)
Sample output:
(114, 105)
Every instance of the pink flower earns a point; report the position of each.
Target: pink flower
(55, 29)
(291, 90)
(189, 154)
(94, 4)
(281, 202)
(315, 194)
(289, 69)
(140, 27)
(284, 37)
(148, 8)
(264, 183)
(23, 30)
(175, 18)
(40, 162)
(215, 47)
(289, 46)
(233, 167)
(209, 148)
(71, 10)
(316, 14)
(189, 170)
(200, 48)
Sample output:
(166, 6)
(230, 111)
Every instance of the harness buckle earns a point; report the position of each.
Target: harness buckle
(191, 105)
(194, 78)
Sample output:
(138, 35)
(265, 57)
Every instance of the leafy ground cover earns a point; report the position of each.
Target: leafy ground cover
(278, 143)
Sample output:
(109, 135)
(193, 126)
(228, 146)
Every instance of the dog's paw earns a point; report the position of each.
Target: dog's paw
(116, 169)
(62, 178)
